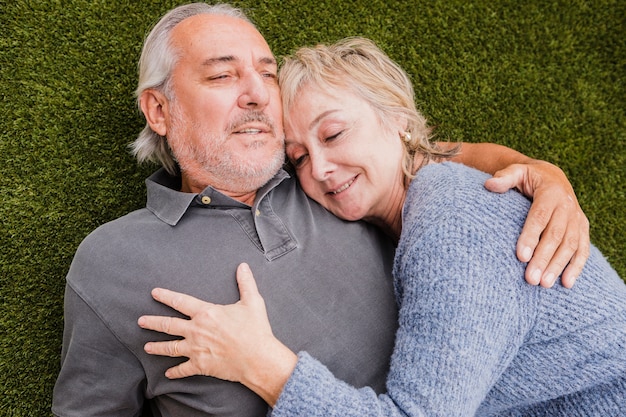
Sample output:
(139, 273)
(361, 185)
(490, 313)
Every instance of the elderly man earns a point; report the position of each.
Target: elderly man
(208, 84)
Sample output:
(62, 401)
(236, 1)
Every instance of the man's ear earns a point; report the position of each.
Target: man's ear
(154, 106)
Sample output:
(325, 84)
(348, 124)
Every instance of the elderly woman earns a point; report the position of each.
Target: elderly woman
(473, 338)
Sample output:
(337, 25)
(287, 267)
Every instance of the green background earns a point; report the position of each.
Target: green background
(544, 77)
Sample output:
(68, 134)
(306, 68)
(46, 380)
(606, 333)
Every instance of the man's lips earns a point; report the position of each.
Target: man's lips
(249, 131)
(252, 130)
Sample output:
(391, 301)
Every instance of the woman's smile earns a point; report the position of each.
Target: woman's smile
(344, 187)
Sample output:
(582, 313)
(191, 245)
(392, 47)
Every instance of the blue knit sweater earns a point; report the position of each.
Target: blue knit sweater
(474, 338)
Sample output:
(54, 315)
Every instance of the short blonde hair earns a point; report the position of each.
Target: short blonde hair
(359, 65)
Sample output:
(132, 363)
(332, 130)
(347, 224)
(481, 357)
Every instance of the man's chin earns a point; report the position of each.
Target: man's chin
(250, 177)
(267, 159)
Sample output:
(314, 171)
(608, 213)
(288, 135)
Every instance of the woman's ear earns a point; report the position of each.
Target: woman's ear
(154, 106)
(400, 124)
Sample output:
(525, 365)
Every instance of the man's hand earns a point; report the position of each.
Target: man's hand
(555, 237)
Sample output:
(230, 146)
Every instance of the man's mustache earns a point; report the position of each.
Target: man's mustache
(250, 117)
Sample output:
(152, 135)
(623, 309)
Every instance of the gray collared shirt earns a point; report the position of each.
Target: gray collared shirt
(326, 284)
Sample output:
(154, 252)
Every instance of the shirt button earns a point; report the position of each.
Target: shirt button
(206, 199)
(258, 212)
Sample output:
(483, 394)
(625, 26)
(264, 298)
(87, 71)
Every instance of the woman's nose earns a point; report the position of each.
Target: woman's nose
(321, 166)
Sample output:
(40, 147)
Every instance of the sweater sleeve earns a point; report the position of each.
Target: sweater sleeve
(312, 390)
(457, 334)
(464, 313)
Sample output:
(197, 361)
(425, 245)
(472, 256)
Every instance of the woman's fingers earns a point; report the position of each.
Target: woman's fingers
(564, 245)
(186, 304)
(248, 290)
(224, 341)
(171, 348)
(544, 232)
(183, 303)
(183, 370)
(555, 238)
(164, 324)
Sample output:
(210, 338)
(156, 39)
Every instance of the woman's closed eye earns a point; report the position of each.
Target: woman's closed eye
(297, 162)
(332, 137)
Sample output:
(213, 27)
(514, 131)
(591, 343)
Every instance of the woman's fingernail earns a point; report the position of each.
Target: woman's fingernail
(536, 276)
(549, 279)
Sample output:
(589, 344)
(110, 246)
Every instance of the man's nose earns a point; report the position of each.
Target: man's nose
(255, 92)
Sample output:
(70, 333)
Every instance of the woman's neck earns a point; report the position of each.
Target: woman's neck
(390, 220)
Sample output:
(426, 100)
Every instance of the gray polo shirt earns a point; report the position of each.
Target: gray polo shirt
(327, 285)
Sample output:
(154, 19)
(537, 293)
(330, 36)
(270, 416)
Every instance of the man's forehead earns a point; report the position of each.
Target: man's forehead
(222, 35)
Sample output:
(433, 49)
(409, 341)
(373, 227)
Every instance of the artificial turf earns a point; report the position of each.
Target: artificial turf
(547, 78)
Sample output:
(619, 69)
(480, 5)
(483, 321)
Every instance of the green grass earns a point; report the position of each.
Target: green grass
(544, 77)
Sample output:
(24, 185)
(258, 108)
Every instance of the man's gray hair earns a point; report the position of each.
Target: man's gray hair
(156, 63)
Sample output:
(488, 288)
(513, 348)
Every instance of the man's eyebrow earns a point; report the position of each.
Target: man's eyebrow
(268, 60)
(230, 58)
(218, 60)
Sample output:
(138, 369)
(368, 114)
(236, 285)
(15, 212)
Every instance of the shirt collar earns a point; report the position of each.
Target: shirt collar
(170, 205)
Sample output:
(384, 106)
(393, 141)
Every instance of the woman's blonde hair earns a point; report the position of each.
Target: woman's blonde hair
(359, 65)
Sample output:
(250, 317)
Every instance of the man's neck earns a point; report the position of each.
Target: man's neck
(189, 185)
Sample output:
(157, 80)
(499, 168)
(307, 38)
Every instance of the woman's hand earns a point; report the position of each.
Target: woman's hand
(555, 237)
(232, 342)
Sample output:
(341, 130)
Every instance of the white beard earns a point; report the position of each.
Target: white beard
(214, 164)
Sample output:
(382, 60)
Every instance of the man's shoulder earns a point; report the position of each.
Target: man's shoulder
(110, 242)
(123, 227)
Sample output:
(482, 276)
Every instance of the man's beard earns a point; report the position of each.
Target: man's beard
(227, 170)
(239, 176)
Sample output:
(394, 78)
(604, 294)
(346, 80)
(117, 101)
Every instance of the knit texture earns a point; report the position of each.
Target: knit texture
(474, 338)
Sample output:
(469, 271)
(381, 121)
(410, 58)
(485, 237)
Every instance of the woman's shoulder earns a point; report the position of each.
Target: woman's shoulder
(448, 208)
(453, 228)
(447, 179)
(455, 191)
